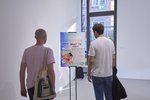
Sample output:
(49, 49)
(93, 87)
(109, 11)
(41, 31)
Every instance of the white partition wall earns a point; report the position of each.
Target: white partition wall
(20, 18)
(133, 38)
(18, 21)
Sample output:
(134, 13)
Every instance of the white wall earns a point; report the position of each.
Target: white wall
(133, 38)
(18, 21)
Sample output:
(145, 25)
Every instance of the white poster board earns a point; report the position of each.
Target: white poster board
(73, 48)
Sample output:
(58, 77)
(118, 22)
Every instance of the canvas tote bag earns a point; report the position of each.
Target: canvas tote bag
(43, 88)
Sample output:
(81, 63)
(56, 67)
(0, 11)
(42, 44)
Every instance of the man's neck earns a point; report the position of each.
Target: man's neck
(40, 44)
(99, 36)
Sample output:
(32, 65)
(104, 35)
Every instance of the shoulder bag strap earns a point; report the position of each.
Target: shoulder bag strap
(45, 59)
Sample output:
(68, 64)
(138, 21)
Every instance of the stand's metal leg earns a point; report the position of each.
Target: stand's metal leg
(70, 82)
(76, 84)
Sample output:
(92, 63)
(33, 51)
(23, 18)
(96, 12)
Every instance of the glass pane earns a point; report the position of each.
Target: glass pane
(107, 21)
(84, 16)
(101, 5)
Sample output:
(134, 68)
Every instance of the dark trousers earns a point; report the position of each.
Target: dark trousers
(31, 93)
(102, 85)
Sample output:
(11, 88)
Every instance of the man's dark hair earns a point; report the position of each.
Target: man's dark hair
(39, 32)
(99, 28)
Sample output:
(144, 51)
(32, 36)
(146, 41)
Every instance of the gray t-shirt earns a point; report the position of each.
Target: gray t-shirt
(102, 49)
(34, 58)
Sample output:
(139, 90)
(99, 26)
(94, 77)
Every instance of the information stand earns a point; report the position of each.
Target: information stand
(73, 48)
(70, 82)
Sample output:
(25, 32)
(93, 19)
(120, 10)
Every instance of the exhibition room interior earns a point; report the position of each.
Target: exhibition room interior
(126, 22)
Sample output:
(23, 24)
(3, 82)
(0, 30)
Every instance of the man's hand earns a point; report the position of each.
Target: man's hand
(23, 92)
(89, 78)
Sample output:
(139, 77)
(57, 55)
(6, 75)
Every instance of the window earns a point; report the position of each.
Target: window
(99, 11)
(101, 5)
(107, 21)
(94, 3)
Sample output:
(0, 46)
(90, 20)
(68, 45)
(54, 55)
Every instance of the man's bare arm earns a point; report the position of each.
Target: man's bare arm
(91, 60)
(22, 79)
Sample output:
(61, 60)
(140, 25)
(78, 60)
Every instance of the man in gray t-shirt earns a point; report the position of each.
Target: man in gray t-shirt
(33, 62)
(100, 62)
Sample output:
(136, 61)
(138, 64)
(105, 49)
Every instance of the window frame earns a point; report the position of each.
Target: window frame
(96, 14)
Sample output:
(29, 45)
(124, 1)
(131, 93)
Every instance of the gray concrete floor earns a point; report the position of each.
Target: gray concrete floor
(136, 90)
